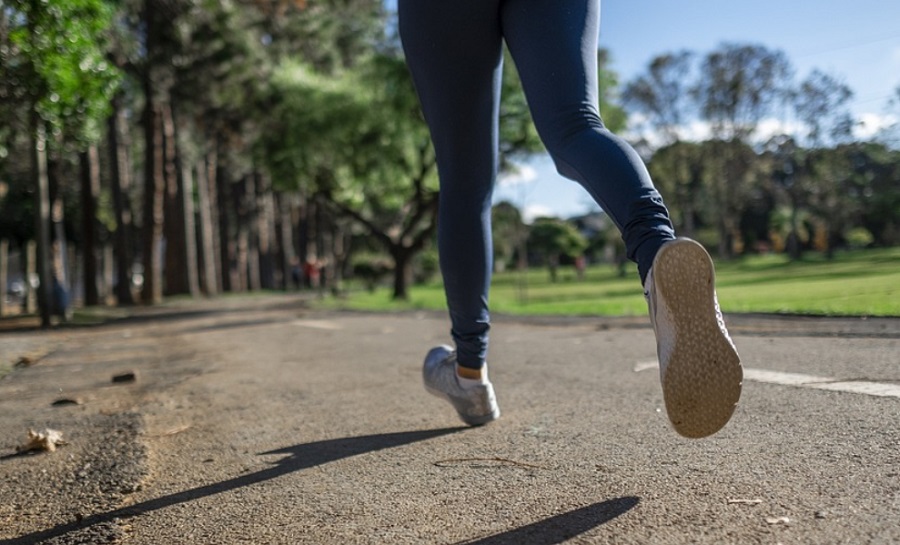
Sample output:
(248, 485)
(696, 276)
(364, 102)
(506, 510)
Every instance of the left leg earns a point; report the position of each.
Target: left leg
(454, 51)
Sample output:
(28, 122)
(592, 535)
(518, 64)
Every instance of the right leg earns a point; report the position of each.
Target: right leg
(554, 45)
(454, 52)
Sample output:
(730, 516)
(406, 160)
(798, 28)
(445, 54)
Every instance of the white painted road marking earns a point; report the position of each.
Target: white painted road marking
(800, 380)
(823, 383)
(319, 324)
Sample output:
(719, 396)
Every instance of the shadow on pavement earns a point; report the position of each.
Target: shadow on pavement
(561, 528)
(300, 457)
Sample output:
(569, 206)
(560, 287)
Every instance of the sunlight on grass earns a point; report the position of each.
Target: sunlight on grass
(853, 283)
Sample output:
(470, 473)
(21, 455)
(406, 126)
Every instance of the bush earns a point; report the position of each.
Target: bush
(426, 266)
(371, 269)
(859, 237)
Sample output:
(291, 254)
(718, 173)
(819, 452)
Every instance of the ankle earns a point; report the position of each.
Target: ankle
(469, 377)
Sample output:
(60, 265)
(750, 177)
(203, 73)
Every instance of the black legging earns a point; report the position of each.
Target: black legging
(454, 51)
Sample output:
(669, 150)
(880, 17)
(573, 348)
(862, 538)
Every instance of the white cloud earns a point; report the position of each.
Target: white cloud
(871, 124)
(523, 174)
(534, 211)
(771, 126)
(696, 131)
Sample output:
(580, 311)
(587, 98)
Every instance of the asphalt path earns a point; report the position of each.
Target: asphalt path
(253, 420)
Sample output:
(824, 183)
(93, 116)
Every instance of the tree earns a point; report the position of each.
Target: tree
(662, 95)
(679, 170)
(551, 238)
(56, 64)
(878, 169)
(222, 104)
(614, 116)
(90, 189)
(361, 150)
(821, 103)
(834, 196)
(120, 186)
(891, 135)
(738, 86)
(358, 143)
(787, 166)
(730, 169)
(508, 233)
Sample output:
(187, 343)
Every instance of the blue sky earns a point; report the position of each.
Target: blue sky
(858, 42)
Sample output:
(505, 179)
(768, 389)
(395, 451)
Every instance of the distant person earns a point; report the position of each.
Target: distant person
(296, 273)
(454, 52)
(312, 271)
(580, 266)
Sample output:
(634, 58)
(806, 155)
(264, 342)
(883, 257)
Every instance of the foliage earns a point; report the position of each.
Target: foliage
(508, 233)
(662, 95)
(680, 171)
(55, 61)
(859, 237)
(357, 139)
(370, 269)
(821, 103)
(793, 191)
(312, 95)
(552, 239)
(738, 85)
(614, 117)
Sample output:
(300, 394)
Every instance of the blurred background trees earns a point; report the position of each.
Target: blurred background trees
(152, 148)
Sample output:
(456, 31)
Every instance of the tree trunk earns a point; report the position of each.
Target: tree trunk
(42, 217)
(205, 194)
(795, 252)
(182, 174)
(724, 237)
(831, 236)
(120, 182)
(251, 228)
(154, 191)
(90, 187)
(341, 241)
(59, 258)
(306, 230)
(268, 243)
(227, 246)
(190, 230)
(285, 241)
(31, 272)
(108, 274)
(242, 238)
(402, 272)
(175, 268)
(4, 271)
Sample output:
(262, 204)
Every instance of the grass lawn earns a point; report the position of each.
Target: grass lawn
(865, 282)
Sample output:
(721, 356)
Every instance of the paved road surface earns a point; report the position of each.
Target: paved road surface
(254, 421)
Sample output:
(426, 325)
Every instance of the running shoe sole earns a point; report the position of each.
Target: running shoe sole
(702, 380)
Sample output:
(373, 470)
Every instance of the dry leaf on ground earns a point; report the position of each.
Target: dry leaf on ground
(46, 440)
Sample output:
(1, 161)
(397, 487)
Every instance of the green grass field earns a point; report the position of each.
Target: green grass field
(853, 283)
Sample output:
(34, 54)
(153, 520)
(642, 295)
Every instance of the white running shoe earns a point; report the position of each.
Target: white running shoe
(476, 405)
(699, 366)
